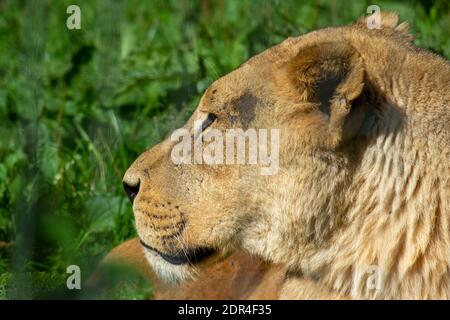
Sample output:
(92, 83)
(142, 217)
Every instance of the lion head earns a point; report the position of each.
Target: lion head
(318, 118)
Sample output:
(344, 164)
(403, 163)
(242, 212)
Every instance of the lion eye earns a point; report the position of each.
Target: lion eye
(208, 121)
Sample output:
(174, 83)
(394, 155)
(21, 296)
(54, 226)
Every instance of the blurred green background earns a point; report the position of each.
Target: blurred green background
(78, 106)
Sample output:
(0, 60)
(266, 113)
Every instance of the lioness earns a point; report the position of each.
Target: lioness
(359, 207)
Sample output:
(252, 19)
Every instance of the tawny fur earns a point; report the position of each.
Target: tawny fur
(363, 180)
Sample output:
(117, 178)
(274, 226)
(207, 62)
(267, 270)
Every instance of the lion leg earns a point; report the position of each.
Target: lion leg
(300, 288)
(239, 276)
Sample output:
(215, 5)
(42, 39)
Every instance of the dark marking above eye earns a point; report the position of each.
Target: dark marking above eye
(245, 106)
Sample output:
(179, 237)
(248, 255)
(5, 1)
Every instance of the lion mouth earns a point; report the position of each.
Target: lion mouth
(191, 256)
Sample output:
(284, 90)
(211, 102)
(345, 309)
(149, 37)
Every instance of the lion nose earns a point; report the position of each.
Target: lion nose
(131, 190)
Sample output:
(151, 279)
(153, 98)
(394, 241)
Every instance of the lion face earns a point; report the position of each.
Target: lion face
(304, 97)
(345, 153)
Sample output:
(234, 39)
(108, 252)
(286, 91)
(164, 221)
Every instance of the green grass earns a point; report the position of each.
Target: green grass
(77, 106)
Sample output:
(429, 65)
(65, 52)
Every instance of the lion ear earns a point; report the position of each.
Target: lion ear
(331, 75)
(389, 24)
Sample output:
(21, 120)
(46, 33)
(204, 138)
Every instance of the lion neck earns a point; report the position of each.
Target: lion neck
(373, 223)
(395, 240)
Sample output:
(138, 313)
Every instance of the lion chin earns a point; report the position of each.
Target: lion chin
(183, 265)
(168, 272)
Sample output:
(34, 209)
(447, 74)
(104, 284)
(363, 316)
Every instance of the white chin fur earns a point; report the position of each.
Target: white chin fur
(168, 272)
